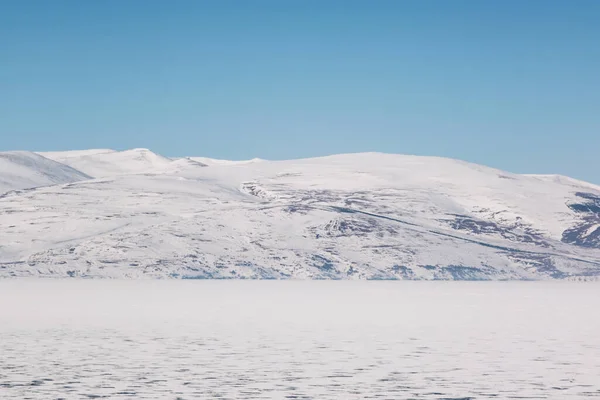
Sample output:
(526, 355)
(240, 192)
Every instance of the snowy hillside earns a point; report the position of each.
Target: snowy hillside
(355, 216)
(23, 170)
(213, 161)
(100, 163)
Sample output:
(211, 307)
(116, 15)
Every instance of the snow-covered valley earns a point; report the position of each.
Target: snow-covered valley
(135, 214)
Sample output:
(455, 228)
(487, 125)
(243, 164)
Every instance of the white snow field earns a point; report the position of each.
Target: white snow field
(329, 340)
(137, 214)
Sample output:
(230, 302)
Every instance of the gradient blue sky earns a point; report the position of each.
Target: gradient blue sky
(510, 84)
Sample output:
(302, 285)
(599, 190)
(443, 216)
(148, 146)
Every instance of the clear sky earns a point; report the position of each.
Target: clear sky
(510, 84)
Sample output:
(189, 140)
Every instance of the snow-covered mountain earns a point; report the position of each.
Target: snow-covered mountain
(99, 163)
(355, 216)
(24, 170)
(213, 161)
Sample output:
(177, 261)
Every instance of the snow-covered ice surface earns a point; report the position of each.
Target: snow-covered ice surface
(74, 339)
(353, 216)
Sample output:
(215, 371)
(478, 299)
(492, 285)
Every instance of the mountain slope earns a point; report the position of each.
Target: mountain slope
(214, 161)
(102, 163)
(354, 216)
(24, 170)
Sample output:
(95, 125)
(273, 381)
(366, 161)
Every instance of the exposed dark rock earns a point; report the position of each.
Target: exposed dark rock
(403, 272)
(587, 232)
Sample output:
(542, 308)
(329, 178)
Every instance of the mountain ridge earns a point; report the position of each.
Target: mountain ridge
(27, 170)
(349, 216)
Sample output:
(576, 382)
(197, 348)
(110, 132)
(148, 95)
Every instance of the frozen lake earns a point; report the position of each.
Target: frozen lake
(77, 339)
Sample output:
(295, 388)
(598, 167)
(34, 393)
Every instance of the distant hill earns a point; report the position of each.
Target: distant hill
(101, 163)
(24, 169)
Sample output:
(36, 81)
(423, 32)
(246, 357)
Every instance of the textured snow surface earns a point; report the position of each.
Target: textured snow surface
(353, 216)
(74, 339)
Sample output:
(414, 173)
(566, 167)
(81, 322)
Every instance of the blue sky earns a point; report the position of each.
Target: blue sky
(510, 84)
